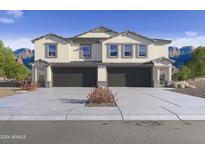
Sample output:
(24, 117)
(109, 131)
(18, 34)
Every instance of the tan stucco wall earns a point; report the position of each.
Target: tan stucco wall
(96, 35)
(160, 51)
(62, 50)
(102, 73)
(154, 51)
(96, 54)
(67, 52)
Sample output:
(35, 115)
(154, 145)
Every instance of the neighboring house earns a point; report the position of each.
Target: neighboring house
(101, 57)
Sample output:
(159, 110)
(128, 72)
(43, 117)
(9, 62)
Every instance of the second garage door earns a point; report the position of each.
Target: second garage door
(129, 77)
(74, 77)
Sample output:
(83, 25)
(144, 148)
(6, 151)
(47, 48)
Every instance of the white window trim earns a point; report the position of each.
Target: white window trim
(81, 51)
(123, 51)
(109, 56)
(47, 50)
(138, 51)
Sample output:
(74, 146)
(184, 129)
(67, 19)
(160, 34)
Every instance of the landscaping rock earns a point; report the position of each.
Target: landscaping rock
(191, 86)
(182, 84)
(199, 79)
(174, 85)
(21, 91)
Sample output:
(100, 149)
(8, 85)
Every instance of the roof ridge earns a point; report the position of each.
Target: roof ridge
(49, 34)
(132, 32)
(99, 27)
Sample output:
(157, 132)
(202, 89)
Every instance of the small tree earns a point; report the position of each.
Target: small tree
(199, 54)
(195, 67)
(9, 68)
(1, 59)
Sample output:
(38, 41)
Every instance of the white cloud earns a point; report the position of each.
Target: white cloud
(18, 43)
(193, 41)
(7, 21)
(191, 34)
(15, 13)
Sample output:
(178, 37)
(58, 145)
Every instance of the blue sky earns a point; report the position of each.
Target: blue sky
(17, 28)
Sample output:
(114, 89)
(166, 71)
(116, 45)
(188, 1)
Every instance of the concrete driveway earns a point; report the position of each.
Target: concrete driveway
(133, 104)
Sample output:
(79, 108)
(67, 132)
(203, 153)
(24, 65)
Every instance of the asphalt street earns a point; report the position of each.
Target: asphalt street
(101, 132)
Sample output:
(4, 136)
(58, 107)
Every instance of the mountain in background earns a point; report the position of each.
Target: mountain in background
(180, 55)
(25, 56)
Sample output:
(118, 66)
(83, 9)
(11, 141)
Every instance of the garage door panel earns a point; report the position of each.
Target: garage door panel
(115, 79)
(129, 77)
(74, 77)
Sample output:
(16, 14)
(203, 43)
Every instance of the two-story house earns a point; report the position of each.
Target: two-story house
(101, 56)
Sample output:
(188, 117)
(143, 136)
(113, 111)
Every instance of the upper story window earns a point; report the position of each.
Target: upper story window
(142, 50)
(113, 50)
(127, 50)
(85, 50)
(51, 50)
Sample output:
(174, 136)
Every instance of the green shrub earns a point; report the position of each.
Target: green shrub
(184, 73)
(21, 72)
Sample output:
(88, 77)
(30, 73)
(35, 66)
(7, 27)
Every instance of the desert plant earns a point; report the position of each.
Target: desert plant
(101, 95)
(29, 85)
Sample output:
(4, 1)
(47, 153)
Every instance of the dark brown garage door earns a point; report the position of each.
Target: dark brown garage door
(74, 77)
(129, 77)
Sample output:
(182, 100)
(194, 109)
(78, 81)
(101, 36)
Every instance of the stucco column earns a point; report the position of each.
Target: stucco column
(102, 75)
(158, 74)
(155, 76)
(48, 77)
(168, 75)
(34, 74)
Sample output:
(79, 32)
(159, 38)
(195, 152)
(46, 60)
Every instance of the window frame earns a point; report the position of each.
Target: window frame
(81, 51)
(123, 50)
(47, 50)
(108, 50)
(138, 51)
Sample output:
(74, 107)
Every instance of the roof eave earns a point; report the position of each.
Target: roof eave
(125, 32)
(154, 60)
(110, 30)
(50, 34)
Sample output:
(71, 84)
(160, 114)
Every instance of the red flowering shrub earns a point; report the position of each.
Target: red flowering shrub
(29, 85)
(101, 95)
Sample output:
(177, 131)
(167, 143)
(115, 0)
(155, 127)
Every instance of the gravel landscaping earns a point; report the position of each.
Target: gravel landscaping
(199, 91)
(100, 104)
(8, 92)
